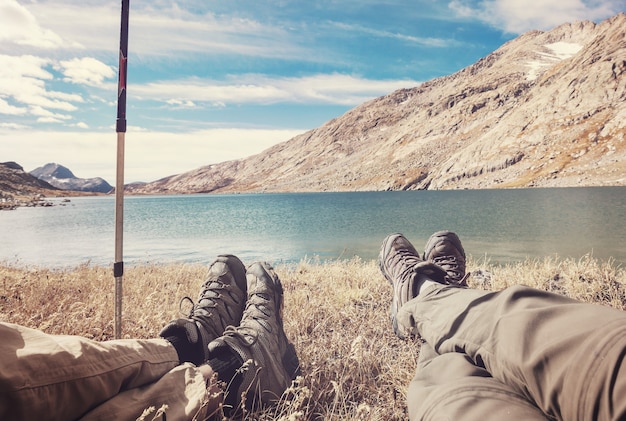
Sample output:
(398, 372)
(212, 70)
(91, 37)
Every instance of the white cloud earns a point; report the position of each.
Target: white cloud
(181, 104)
(20, 27)
(149, 155)
(518, 16)
(162, 30)
(23, 66)
(340, 88)
(260, 89)
(12, 126)
(24, 91)
(47, 115)
(63, 96)
(8, 109)
(86, 70)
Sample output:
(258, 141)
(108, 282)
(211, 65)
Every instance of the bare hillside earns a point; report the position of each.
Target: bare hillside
(545, 109)
(18, 188)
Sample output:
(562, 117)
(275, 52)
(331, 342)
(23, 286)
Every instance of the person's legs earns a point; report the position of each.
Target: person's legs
(71, 375)
(565, 356)
(451, 387)
(186, 392)
(448, 386)
(67, 376)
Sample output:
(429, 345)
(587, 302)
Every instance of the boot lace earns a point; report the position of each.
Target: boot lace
(451, 266)
(210, 296)
(407, 260)
(255, 314)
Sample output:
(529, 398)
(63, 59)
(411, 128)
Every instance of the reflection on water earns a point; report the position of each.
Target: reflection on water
(503, 225)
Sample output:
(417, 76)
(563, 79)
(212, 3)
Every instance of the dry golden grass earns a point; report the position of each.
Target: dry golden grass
(336, 313)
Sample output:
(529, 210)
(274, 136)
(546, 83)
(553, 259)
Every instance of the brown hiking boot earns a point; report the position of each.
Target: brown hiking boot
(444, 249)
(270, 361)
(401, 264)
(220, 304)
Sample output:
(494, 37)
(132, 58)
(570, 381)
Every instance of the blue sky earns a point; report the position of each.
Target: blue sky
(210, 81)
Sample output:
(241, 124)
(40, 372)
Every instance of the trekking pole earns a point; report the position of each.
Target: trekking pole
(118, 265)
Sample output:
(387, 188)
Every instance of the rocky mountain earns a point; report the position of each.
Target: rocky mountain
(15, 181)
(546, 109)
(62, 178)
(19, 188)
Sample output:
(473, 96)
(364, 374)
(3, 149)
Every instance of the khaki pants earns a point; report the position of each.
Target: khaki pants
(518, 354)
(55, 377)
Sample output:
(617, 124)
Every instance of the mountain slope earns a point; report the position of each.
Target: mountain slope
(15, 181)
(545, 109)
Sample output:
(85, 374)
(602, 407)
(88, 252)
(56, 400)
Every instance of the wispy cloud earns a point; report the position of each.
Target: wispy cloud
(518, 16)
(335, 88)
(409, 39)
(155, 32)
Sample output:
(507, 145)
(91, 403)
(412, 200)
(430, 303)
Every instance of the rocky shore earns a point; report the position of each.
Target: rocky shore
(8, 202)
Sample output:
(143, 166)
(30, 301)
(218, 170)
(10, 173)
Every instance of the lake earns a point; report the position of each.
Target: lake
(501, 225)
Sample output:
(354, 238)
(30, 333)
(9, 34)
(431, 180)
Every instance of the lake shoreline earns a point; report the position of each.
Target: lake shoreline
(502, 225)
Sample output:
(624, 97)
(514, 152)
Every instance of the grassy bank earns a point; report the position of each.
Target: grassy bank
(336, 313)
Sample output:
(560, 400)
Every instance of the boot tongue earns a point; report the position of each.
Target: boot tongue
(432, 271)
(258, 288)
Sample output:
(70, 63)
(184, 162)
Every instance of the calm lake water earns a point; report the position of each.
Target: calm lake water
(503, 225)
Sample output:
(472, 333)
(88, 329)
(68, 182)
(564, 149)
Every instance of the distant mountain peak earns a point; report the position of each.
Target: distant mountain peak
(53, 170)
(61, 177)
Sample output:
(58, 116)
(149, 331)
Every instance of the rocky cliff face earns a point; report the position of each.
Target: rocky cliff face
(546, 109)
(15, 181)
(62, 178)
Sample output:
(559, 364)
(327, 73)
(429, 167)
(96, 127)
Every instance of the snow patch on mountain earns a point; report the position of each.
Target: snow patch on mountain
(557, 51)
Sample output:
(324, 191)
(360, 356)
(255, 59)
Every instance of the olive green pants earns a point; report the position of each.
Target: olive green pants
(59, 377)
(518, 354)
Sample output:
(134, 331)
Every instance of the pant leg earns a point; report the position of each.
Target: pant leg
(182, 392)
(451, 387)
(62, 377)
(565, 356)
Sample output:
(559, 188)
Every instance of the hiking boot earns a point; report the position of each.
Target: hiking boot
(270, 361)
(220, 304)
(444, 249)
(402, 266)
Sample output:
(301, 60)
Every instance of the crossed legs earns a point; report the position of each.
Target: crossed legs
(537, 354)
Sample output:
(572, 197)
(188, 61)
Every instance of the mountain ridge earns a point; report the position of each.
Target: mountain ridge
(545, 109)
